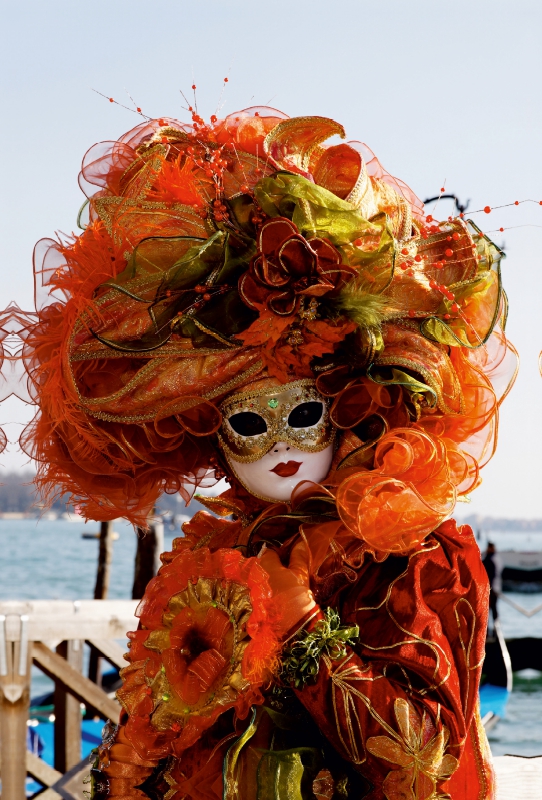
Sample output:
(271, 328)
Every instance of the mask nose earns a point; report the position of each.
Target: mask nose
(280, 447)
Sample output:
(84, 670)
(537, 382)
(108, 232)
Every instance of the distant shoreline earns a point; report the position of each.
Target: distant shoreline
(482, 523)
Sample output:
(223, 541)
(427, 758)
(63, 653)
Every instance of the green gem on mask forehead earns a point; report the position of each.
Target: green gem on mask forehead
(273, 403)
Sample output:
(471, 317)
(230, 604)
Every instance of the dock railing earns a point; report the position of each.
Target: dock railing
(50, 634)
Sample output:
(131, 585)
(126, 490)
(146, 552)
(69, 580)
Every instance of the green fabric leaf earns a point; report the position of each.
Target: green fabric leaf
(314, 210)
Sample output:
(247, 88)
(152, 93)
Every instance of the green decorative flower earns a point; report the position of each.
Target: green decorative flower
(301, 661)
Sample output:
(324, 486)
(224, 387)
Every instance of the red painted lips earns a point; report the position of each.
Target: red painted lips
(286, 470)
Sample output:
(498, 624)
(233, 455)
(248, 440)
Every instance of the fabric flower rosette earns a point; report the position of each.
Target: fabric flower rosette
(207, 643)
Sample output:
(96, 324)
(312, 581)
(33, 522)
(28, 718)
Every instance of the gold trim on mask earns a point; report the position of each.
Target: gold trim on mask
(274, 404)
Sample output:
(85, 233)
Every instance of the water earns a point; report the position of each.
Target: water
(520, 732)
(49, 560)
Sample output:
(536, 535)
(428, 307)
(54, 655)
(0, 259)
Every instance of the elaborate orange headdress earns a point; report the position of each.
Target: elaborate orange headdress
(217, 254)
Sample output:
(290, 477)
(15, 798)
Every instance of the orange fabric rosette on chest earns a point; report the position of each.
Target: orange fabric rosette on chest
(207, 643)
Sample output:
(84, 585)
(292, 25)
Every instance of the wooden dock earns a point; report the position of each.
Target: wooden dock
(518, 778)
(50, 634)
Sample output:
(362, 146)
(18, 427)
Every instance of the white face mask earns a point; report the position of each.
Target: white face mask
(275, 475)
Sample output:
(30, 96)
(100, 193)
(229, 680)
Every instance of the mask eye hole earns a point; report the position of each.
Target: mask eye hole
(305, 415)
(247, 423)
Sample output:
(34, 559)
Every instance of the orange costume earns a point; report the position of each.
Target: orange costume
(239, 284)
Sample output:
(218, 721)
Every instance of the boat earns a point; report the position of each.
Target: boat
(497, 679)
(522, 571)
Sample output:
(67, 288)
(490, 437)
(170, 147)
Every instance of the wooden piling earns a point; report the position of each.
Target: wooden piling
(150, 543)
(105, 557)
(101, 588)
(68, 711)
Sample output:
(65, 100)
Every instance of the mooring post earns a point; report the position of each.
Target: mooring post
(150, 543)
(68, 712)
(101, 588)
(105, 557)
(15, 663)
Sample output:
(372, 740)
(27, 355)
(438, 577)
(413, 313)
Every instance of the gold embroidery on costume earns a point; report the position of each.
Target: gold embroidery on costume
(482, 757)
(419, 751)
(466, 646)
(341, 677)
(438, 651)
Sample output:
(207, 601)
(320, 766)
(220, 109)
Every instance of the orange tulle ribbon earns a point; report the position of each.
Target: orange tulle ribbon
(407, 495)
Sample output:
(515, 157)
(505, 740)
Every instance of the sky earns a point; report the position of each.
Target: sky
(444, 93)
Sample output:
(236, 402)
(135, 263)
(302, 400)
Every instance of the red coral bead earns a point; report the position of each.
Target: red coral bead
(449, 252)
(487, 209)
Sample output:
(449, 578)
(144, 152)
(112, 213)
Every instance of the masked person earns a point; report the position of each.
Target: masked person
(248, 302)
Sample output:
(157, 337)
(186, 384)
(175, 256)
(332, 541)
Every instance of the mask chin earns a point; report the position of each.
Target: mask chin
(275, 475)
